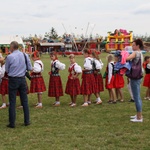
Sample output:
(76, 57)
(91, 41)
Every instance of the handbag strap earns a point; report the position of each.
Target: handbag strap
(142, 63)
(140, 57)
(25, 61)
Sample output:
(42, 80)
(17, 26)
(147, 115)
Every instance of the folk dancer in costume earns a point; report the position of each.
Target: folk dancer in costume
(109, 84)
(88, 81)
(146, 83)
(118, 82)
(4, 86)
(97, 66)
(37, 84)
(73, 83)
(55, 84)
(121, 67)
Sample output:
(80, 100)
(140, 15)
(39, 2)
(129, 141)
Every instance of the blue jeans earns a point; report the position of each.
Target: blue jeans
(16, 84)
(135, 86)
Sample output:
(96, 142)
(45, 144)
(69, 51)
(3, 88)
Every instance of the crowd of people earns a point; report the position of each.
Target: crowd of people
(15, 67)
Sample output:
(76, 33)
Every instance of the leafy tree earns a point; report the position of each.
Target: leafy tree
(145, 38)
(52, 34)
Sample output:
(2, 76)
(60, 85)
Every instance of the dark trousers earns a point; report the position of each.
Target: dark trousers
(17, 84)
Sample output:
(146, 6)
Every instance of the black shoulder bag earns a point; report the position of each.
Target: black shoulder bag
(27, 73)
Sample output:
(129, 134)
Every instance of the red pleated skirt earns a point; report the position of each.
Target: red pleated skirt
(73, 87)
(37, 85)
(88, 85)
(118, 81)
(146, 81)
(111, 85)
(99, 83)
(4, 87)
(55, 87)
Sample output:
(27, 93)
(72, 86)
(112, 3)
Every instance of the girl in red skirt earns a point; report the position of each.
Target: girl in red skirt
(37, 84)
(110, 79)
(73, 83)
(146, 83)
(88, 81)
(98, 77)
(3, 85)
(118, 83)
(55, 84)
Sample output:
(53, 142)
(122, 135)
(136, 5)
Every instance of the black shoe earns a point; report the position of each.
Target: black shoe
(10, 126)
(27, 124)
(110, 101)
(131, 100)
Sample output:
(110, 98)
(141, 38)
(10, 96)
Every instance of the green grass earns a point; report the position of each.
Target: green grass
(105, 127)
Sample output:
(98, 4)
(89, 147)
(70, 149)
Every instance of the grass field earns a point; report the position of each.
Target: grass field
(105, 127)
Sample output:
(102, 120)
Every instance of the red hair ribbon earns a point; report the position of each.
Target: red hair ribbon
(35, 53)
(144, 65)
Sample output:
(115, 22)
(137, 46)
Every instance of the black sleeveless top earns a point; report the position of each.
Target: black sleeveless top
(54, 69)
(147, 70)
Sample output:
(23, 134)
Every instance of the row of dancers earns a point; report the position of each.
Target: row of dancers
(92, 80)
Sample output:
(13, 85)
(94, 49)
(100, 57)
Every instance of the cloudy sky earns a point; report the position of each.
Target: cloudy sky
(25, 17)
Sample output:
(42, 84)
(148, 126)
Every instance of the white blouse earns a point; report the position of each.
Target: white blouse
(148, 66)
(98, 64)
(2, 71)
(101, 63)
(38, 66)
(1, 56)
(59, 65)
(88, 63)
(110, 71)
(77, 68)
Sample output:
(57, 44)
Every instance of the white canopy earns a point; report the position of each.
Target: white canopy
(6, 40)
(52, 44)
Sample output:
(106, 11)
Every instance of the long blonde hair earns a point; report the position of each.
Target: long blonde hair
(95, 55)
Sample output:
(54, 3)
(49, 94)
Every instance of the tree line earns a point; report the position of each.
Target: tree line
(53, 35)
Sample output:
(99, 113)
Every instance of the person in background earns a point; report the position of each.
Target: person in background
(135, 57)
(73, 83)
(109, 82)
(3, 85)
(146, 83)
(88, 81)
(118, 82)
(37, 84)
(97, 66)
(1, 63)
(55, 84)
(16, 67)
(116, 32)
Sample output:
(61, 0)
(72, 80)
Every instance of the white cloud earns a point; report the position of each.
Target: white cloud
(143, 9)
(38, 16)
